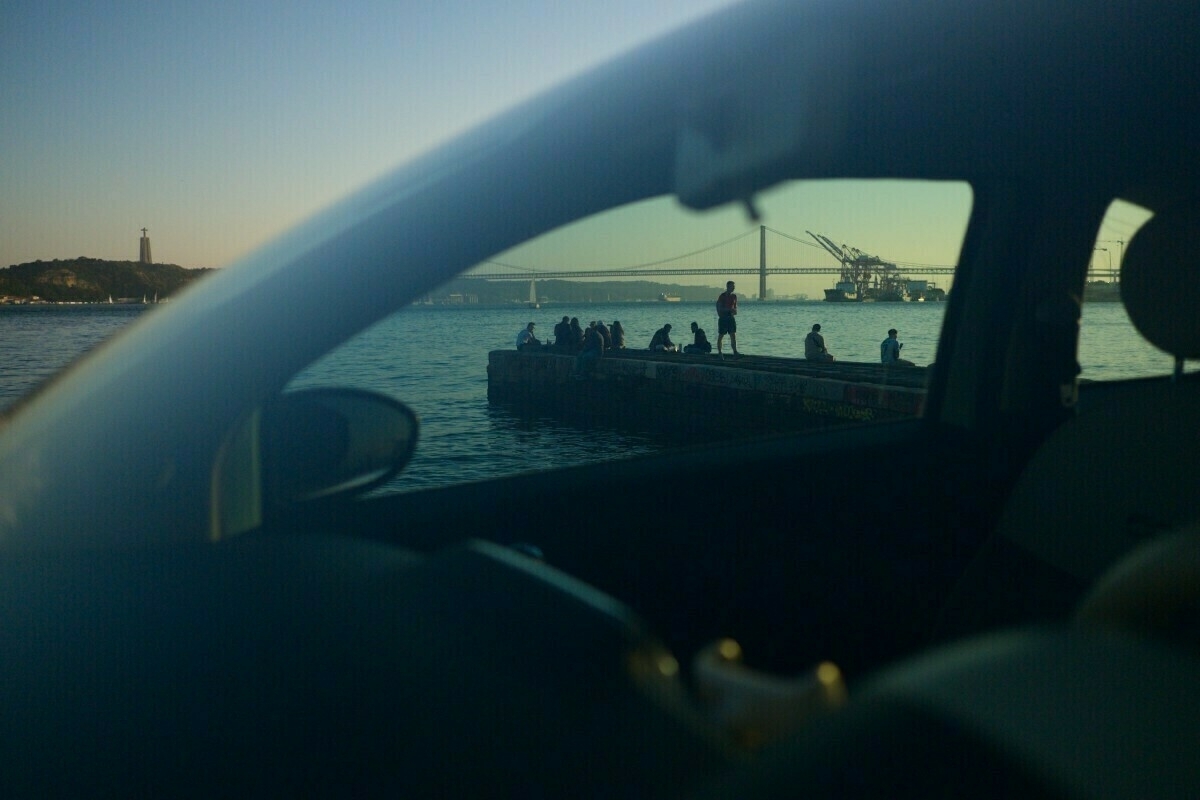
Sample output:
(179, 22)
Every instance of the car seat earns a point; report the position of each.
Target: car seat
(1120, 472)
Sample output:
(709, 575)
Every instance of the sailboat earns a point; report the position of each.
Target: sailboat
(533, 299)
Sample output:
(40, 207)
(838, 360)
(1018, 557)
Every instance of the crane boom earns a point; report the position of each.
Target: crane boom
(870, 275)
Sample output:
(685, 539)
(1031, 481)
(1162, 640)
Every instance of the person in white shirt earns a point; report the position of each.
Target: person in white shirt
(526, 339)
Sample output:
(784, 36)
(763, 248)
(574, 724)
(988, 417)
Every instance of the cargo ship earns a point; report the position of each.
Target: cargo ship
(844, 292)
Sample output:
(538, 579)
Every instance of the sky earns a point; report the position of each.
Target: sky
(219, 125)
(910, 223)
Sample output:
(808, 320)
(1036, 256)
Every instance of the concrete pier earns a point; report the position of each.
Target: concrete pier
(672, 390)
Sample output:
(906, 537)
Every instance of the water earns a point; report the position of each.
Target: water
(435, 359)
(37, 341)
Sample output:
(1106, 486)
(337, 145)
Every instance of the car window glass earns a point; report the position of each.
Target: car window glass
(1110, 347)
(857, 258)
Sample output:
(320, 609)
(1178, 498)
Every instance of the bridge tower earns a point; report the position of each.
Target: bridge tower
(762, 262)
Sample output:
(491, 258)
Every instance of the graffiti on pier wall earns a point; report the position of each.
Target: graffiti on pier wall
(827, 408)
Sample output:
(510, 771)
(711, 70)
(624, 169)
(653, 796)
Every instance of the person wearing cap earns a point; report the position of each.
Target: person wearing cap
(526, 340)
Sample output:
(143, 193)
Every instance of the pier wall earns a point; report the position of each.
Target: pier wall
(752, 394)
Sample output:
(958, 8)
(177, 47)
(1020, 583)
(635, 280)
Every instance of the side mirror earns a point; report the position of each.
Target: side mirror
(324, 442)
(305, 446)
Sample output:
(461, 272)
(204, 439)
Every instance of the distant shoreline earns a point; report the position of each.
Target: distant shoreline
(6, 302)
(93, 281)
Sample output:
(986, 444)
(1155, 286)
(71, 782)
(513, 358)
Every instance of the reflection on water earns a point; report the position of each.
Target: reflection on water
(435, 359)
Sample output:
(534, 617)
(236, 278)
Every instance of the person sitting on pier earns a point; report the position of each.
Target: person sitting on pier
(592, 352)
(605, 334)
(662, 340)
(617, 334)
(701, 343)
(526, 340)
(575, 337)
(562, 334)
(889, 351)
(814, 346)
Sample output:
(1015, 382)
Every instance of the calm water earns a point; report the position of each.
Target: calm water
(435, 359)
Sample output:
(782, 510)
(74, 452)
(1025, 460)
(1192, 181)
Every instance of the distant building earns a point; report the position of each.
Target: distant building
(144, 255)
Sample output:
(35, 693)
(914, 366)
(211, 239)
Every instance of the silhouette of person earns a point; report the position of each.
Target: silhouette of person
(562, 334)
(592, 352)
(605, 333)
(727, 318)
(526, 340)
(617, 333)
(889, 351)
(575, 340)
(814, 346)
(662, 340)
(700, 343)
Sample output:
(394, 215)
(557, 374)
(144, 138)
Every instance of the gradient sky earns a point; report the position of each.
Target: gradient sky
(907, 222)
(218, 125)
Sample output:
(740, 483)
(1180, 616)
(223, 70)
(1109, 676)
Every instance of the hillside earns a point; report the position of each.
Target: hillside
(93, 280)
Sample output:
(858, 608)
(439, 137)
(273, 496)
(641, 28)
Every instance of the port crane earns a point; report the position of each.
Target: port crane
(866, 276)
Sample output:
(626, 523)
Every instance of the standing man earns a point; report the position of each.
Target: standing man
(727, 318)
(814, 346)
(889, 351)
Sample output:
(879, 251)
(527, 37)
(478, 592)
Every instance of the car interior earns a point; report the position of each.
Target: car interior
(1017, 618)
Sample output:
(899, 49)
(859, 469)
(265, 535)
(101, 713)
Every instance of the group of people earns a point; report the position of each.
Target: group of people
(590, 343)
(571, 338)
(889, 348)
(661, 341)
(726, 324)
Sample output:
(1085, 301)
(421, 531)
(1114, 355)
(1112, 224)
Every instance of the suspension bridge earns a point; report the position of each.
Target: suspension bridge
(852, 266)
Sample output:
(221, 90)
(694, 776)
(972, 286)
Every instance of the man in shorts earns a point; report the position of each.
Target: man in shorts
(727, 318)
